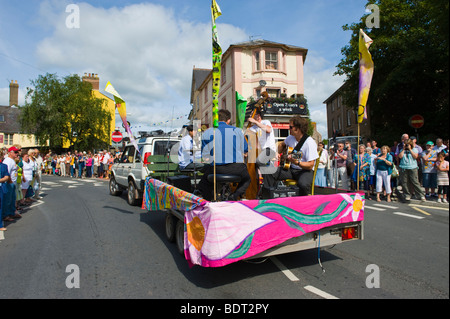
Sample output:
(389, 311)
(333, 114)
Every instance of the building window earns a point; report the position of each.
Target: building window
(271, 60)
(2, 118)
(223, 74)
(9, 139)
(273, 92)
(257, 61)
(224, 103)
(349, 117)
(206, 93)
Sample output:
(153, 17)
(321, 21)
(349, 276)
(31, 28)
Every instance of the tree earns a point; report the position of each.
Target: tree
(65, 110)
(410, 52)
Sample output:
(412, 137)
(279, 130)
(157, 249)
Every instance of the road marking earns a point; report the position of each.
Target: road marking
(385, 206)
(37, 204)
(49, 183)
(421, 211)
(2, 236)
(283, 269)
(430, 207)
(319, 292)
(375, 208)
(408, 215)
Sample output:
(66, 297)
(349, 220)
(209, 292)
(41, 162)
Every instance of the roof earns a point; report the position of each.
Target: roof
(335, 93)
(11, 123)
(198, 77)
(266, 43)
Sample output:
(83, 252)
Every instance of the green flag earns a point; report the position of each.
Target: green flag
(241, 107)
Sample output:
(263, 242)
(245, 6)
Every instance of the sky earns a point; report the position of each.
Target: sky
(147, 49)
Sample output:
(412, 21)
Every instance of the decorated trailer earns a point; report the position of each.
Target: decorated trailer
(215, 234)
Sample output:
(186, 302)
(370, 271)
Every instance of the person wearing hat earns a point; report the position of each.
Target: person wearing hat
(429, 172)
(9, 205)
(186, 151)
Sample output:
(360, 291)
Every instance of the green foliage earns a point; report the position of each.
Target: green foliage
(410, 53)
(58, 110)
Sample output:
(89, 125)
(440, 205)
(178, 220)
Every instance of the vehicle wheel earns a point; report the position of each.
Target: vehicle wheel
(114, 189)
(179, 236)
(132, 197)
(171, 222)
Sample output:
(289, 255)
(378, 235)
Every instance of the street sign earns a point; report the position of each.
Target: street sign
(416, 121)
(117, 136)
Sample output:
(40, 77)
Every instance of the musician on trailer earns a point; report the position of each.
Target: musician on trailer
(266, 138)
(301, 161)
(231, 148)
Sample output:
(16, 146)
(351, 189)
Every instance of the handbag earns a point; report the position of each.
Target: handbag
(394, 171)
(30, 192)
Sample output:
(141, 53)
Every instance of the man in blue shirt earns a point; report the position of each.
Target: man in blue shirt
(186, 152)
(230, 149)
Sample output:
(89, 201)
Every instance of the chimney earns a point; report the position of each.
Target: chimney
(13, 93)
(93, 79)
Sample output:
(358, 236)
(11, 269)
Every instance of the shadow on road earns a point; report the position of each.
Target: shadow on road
(214, 277)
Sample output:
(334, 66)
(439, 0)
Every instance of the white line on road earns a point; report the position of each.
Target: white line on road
(319, 292)
(283, 269)
(375, 208)
(385, 206)
(36, 204)
(408, 215)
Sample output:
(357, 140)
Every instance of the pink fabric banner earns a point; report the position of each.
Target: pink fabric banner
(218, 234)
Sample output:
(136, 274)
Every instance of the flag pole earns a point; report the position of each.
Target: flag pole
(214, 161)
(357, 161)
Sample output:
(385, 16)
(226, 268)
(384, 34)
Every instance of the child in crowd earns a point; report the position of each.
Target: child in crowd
(442, 177)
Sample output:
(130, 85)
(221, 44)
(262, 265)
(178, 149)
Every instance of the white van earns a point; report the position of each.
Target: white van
(131, 171)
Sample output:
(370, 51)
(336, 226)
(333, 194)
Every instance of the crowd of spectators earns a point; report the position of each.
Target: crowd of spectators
(21, 171)
(422, 171)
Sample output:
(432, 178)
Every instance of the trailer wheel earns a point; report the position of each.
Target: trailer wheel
(179, 236)
(171, 223)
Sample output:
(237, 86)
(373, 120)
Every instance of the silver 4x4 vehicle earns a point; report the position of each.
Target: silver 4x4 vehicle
(130, 172)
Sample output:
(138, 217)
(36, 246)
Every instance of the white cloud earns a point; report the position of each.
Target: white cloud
(142, 49)
(319, 85)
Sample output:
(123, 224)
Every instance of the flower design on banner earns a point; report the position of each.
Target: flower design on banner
(356, 206)
(215, 236)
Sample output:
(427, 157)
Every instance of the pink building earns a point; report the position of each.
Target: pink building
(250, 68)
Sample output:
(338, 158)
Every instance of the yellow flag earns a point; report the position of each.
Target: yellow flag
(215, 10)
(366, 67)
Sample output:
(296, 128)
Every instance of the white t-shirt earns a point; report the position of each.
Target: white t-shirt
(308, 150)
(12, 168)
(266, 140)
(105, 158)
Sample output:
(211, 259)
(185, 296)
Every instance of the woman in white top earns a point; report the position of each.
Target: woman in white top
(321, 179)
(27, 175)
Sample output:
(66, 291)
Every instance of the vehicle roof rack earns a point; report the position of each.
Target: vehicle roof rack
(152, 133)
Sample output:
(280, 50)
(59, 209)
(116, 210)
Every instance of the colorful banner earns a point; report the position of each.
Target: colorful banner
(221, 233)
(241, 107)
(366, 67)
(217, 63)
(161, 196)
(122, 109)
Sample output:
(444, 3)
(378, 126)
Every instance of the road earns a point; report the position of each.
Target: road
(120, 251)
